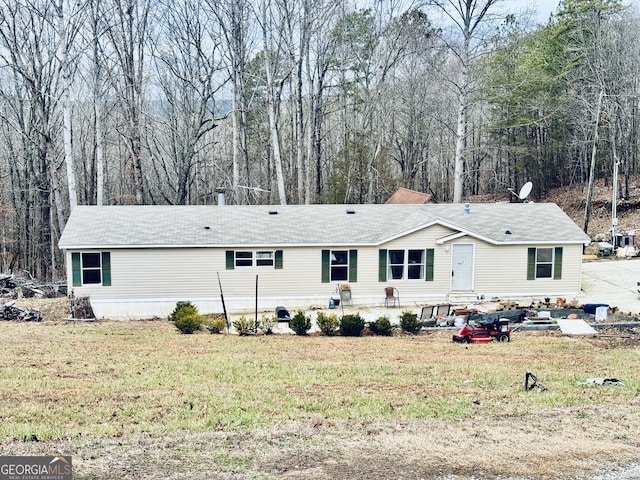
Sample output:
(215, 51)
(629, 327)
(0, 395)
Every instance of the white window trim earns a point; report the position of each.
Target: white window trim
(254, 258)
(405, 265)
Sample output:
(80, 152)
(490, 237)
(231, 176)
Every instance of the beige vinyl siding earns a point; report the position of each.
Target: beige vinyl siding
(502, 270)
(150, 281)
(420, 291)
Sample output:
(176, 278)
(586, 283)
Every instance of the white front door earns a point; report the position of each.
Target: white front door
(462, 268)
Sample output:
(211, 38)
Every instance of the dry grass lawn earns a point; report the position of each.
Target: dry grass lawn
(138, 400)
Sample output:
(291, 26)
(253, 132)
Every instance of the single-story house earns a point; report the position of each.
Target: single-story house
(139, 261)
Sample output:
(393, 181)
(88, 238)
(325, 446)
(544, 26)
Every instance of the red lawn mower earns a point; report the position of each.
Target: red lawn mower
(484, 331)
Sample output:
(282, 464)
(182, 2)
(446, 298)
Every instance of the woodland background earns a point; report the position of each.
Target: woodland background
(114, 102)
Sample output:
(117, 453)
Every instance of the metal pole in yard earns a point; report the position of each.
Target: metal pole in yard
(224, 308)
(256, 318)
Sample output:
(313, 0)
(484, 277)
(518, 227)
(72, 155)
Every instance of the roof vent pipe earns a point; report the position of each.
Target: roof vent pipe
(467, 208)
(220, 191)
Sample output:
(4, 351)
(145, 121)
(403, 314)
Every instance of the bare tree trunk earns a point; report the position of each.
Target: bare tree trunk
(97, 100)
(128, 32)
(468, 16)
(64, 28)
(592, 169)
(270, 64)
(462, 126)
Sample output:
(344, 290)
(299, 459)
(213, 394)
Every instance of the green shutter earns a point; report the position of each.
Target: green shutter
(428, 266)
(325, 266)
(353, 265)
(531, 264)
(557, 264)
(106, 269)
(382, 265)
(230, 258)
(75, 268)
(278, 259)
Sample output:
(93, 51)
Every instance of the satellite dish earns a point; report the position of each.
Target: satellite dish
(525, 191)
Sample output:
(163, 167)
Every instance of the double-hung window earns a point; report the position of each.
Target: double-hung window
(545, 262)
(91, 268)
(339, 266)
(406, 264)
(410, 264)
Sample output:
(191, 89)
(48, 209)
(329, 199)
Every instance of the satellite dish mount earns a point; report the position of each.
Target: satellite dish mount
(524, 191)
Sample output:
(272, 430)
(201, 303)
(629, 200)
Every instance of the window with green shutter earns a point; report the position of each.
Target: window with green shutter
(544, 262)
(339, 266)
(91, 268)
(412, 264)
(253, 259)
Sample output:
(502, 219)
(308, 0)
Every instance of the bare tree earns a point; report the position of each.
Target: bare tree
(189, 70)
(28, 49)
(70, 17)
(469, 18)
(272, 16)
(233, 20)
(128, 32)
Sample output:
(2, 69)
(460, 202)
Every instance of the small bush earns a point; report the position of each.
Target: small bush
(183, 308)
(381, 326)
(328, 323)
(300, 323)
(186, 317)
(215, 325)
(267, 323)
(352, 325)
(189, 323)
(409, 322)
(244, 326)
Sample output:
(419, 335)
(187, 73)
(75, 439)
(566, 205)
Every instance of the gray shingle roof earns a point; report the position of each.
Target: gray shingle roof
(240, 225)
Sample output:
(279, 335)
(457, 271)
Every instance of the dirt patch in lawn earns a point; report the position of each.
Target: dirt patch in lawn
(542, 445)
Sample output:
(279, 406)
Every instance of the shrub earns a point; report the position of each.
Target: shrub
(300, 323)
(244, 326)
(381, 326)
(188, 323)
(186, 317)
(409, 322)
(328, 323)
(352, 325)
(266, 324)
(183, 308)
(216, 324)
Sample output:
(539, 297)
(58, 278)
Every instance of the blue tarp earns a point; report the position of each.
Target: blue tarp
(591, 307)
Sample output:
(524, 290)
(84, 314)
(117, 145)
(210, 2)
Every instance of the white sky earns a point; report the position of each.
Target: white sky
(543, 7)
